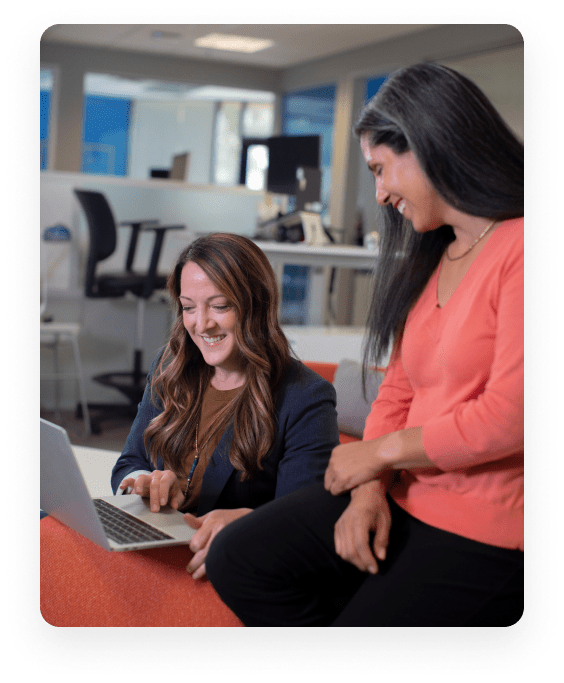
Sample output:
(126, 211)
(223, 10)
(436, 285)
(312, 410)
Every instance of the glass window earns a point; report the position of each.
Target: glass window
(227, 143)
(258, 119)
(235, 121)
(135, 128)
(257, 166)
(307, 112)
(258, 122)
(311, 112)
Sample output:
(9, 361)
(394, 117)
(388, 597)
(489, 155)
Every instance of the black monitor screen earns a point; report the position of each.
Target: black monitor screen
(285, 155)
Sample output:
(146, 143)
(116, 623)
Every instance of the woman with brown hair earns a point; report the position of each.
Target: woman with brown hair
(229, 419)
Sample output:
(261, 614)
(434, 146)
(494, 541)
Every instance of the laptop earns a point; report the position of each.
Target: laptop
(116, 523)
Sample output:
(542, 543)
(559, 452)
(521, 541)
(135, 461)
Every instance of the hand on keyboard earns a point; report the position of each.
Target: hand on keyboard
(161, 487)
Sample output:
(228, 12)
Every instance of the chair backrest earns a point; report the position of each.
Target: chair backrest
(102, 229)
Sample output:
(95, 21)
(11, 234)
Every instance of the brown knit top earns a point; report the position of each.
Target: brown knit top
(213, 405)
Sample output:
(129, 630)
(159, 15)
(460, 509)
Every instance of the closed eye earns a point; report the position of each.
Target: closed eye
(376, 170)
(221, 308)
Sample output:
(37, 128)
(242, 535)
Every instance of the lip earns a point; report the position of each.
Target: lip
(212, 341)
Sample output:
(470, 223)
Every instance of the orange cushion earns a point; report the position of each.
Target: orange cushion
(347, 438)
(325, 370)
(85, 585)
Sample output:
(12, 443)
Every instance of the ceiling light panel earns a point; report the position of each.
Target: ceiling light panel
(220, 41)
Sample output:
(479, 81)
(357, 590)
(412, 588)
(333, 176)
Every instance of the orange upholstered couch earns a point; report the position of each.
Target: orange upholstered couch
(84, 585)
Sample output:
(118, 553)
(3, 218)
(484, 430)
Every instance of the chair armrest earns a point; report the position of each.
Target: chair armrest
(163, 227)
(136, 227)
(144, 221)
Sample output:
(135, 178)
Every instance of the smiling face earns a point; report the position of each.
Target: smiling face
(210, 320)
(400, 181)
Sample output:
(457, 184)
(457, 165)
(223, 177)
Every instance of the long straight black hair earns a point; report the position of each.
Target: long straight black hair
(471, 158)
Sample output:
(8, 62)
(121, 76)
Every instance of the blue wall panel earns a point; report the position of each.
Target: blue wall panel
(372, 87)
(105, 135)
(45, 111)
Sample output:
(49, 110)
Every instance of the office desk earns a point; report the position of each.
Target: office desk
(96, 465)
(327, 257)
(301, 254)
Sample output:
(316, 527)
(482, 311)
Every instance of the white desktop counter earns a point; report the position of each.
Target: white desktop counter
(301, 254)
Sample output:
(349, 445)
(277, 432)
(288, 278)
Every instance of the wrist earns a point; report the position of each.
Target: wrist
(369, 490)
(404, 450)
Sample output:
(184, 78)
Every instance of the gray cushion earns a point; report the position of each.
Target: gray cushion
(352, 408)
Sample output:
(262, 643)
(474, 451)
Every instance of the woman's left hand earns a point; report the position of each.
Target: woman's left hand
(355, 463)
(352, 464)
(207, 526)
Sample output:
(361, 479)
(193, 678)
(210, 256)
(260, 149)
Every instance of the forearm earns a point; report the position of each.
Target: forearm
(402, 450)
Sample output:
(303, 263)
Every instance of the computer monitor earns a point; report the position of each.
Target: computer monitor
(180, 163)
(286, 153)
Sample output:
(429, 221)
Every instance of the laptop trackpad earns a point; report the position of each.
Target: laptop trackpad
(168, 520)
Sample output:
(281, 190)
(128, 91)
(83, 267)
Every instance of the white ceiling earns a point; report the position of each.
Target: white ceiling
(293, 43)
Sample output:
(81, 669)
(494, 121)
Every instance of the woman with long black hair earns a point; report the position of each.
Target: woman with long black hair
(421, 523)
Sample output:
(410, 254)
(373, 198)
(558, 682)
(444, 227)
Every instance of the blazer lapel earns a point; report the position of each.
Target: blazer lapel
(217, 473)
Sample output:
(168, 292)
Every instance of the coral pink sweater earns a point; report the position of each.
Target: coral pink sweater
(459, 376)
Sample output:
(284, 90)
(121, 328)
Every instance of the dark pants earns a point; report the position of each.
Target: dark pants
(278, 567)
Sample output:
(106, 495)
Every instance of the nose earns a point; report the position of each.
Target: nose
(382, 195)
(203, 320)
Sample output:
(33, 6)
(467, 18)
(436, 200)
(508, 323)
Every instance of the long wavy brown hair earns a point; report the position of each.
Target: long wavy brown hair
(243, 274)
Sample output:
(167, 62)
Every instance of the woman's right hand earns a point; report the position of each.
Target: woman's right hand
(367, 512)
(161, 487)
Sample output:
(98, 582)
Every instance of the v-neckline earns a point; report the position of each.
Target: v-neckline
(466, 274)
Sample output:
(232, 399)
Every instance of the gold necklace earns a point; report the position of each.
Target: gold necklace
(472, 247)
(197, 456)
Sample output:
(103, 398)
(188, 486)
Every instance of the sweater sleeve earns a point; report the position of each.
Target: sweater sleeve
(489, 426)
(390, 409)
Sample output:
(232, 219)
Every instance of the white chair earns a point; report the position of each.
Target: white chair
(52, 334)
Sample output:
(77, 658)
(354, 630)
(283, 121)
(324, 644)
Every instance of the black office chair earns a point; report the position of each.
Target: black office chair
(103, 241)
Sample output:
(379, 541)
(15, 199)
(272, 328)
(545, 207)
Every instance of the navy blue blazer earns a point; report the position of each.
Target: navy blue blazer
(307, 433)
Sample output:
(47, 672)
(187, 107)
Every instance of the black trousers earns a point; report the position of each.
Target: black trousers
(278, 567)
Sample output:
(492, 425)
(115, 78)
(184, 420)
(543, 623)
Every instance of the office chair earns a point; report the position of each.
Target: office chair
(103, 241)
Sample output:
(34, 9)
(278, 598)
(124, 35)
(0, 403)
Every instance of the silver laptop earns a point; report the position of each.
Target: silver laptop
(116, 523)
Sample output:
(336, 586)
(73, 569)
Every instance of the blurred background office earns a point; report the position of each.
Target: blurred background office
(171, 126)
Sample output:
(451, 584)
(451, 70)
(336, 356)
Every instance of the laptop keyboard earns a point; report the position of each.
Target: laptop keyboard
(124, 528)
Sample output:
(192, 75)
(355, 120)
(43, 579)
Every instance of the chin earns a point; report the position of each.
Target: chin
(425, 227)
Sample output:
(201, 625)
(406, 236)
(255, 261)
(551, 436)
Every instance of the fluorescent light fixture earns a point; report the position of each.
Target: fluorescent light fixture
(219, 41)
